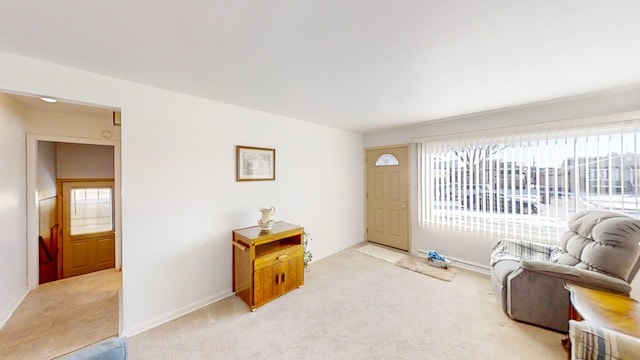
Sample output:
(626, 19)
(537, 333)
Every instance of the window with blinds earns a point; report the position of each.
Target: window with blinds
(527, 184)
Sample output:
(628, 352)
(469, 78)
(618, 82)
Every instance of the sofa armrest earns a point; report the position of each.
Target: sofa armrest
(578, 276)
(589, 341)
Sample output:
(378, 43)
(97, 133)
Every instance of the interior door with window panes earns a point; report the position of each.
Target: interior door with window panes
(88, 227)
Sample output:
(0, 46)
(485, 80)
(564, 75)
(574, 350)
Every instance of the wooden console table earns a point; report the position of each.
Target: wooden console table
(267, 264)
(604, 309)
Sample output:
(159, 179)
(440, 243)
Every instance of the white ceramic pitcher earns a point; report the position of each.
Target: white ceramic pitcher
(265, 222)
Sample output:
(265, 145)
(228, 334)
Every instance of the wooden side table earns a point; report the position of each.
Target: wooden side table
(267, 264)
(604, 309)
(608, 310)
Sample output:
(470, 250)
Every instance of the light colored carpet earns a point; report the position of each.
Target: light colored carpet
(356, 307)
(62, 316)
(381, 253)
(412, 263)
(421, 266)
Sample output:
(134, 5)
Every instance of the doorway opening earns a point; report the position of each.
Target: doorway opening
(53, 132)
(77, 201)
(80, 142)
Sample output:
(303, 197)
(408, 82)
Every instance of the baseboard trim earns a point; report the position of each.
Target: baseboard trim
(468, 265)
(13, 306)
(208, 301)
(482, 269)
(337, 250)
(200, 304)
(176, 314)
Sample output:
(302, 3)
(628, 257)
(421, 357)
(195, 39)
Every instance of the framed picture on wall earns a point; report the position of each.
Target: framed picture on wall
(255, 164)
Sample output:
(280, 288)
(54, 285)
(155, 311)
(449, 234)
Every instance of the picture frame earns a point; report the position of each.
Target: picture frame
(255, 163)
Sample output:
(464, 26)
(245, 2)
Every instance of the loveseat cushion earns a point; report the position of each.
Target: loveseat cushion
(601, 241)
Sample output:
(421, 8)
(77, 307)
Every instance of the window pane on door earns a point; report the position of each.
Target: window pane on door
(387, 160)
(91, 210)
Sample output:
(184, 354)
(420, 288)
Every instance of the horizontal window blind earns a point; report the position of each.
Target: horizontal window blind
(527, 184)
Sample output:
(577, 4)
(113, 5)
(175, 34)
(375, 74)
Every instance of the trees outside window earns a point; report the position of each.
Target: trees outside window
(528, 184)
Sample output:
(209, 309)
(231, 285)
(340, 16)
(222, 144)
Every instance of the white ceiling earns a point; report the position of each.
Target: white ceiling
(360, 65)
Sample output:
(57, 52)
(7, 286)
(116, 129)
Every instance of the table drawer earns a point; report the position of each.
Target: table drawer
(278, 256)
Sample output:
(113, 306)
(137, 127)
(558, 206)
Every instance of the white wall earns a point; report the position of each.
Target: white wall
(46, 172)
(80, 161)
(85, 125)
(471, 248)
(13, 256)
(609, 102)
(179, 191)
(180, 199)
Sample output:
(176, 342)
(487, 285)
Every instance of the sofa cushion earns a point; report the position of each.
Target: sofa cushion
(583, 223)
(603, 242)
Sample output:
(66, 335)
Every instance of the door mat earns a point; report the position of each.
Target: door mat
(381, 253)
(412, 263)
(420, 265)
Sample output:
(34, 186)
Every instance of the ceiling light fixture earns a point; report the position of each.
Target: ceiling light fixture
(49, 100)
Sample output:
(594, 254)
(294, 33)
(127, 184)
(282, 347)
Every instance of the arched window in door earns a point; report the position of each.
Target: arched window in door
(387, 160)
